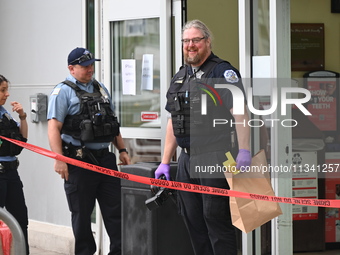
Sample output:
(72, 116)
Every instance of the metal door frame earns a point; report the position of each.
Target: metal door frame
(279, 12)
(116, 10)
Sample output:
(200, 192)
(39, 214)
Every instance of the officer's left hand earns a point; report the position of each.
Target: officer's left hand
(124, 158)
(17, 107)
(243, 159)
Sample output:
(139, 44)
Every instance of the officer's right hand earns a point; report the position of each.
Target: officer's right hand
(163, 169)
(61, 168)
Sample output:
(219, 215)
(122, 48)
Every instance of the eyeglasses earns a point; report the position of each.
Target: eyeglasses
(83, 58)
(194, 40)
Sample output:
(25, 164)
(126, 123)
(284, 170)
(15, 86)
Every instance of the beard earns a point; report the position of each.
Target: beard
(198, 59)
(193, 60)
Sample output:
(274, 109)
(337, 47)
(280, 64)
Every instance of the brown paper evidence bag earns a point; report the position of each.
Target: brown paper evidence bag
(249, 214)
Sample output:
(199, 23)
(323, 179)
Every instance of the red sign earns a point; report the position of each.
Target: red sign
(149, 116)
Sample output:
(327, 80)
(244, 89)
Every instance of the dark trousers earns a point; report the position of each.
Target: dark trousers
(207, 217)
(12, 198)
(82, 189)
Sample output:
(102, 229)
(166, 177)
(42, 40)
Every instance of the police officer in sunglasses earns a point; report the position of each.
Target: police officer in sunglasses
(81, 125)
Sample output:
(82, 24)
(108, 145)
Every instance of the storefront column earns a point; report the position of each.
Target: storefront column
(281, 137)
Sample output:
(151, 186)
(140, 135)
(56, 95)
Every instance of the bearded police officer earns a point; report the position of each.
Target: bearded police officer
(81, 125)
(194, 104)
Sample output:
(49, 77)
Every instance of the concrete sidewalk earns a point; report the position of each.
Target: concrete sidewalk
(37, 251)
(50, 239)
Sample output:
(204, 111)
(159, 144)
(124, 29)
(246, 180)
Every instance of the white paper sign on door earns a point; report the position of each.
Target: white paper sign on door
(147, 72)
(129, 76)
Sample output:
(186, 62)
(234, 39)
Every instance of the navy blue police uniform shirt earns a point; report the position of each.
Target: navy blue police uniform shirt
(223, 73)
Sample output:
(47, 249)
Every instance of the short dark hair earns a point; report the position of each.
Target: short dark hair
(2, 79)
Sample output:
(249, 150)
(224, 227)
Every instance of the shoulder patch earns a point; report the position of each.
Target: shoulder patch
(56, 91)
(231, 76)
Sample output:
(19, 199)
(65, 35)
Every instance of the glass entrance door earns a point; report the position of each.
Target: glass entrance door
(137, 39)
(135, 43)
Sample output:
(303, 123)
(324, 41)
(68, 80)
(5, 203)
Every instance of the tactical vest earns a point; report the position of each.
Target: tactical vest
(185, 104)
(95, 122)
(10, 129)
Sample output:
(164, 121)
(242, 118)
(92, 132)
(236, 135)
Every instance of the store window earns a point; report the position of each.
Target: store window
(135, 47)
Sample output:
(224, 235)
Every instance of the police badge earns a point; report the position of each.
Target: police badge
(199, 74)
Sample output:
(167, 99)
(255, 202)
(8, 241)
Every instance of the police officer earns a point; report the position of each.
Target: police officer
(81, 125)
(194, 104)
(11, 187)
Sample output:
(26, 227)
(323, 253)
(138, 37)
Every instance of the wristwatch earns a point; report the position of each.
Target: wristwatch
(23, 117)
(123, 150)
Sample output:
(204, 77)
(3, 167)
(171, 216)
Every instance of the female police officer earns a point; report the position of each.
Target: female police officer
(11, 188)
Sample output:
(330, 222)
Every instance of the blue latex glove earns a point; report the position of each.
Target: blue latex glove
(243, 160)
(163, 169)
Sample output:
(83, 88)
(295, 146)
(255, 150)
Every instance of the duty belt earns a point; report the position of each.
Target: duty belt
(227, 145)
(204, 149)
(77, 152)
(6, 166)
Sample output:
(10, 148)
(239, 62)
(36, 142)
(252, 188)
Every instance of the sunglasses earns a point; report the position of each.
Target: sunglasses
(83, 58)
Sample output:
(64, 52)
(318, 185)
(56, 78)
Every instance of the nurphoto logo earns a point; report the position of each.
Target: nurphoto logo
(238, 105)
